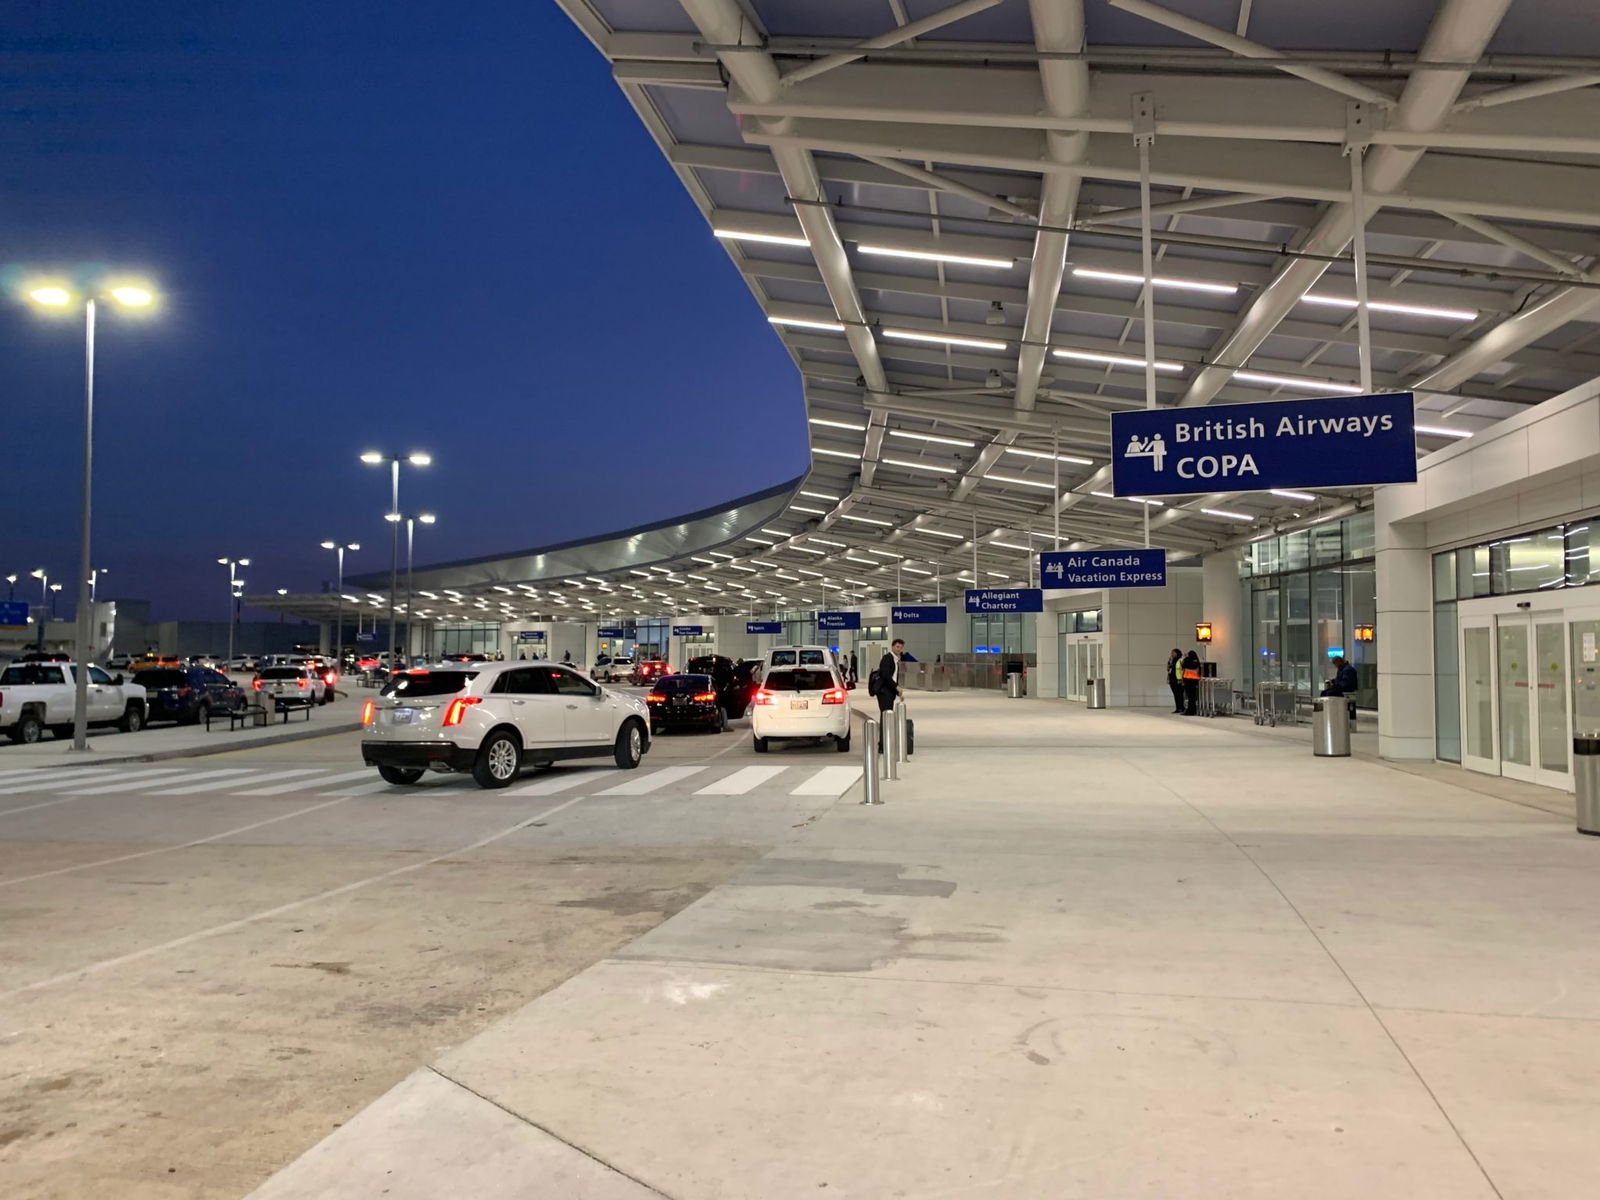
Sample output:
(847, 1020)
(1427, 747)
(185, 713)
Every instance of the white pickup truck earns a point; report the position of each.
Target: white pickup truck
(35, 696)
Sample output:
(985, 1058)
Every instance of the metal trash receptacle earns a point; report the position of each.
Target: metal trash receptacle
(1586, 781)
(1097, 692)
(1014, 684)
(1330, 729)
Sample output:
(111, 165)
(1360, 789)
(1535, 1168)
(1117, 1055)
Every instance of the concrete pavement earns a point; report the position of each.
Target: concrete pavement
(1111, 954)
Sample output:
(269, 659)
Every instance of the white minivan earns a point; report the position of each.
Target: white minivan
(795, 702)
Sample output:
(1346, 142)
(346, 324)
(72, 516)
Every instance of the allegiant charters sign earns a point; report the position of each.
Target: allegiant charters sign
(1335, 441)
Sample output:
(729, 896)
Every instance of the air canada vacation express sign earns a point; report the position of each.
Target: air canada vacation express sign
(1336, 441)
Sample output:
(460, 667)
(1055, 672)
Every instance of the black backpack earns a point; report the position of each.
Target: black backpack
(872, 684)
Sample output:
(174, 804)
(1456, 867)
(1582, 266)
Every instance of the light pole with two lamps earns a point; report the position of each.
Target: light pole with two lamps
(412, 520)
(57, 297)
(338, 603)
(235, 590)
(372, 458)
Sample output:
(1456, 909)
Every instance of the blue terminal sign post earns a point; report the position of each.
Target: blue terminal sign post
(1339, 441)
(1005, 600)
(833, 621)
(918, 614)
(1103, 568)
(763, 626)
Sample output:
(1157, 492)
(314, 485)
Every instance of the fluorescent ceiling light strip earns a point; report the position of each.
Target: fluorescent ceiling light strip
(836, 424)
(866, 561)
(834, 453)
(1129, 499)
(806, 323)
(1226, 515)
(1288, 495)
(966, 260)
(1168, 281)
(1389, 306)
(746, 235)
(764, 541)
(955, 537)
(916, 466)
(1066, 458)
(1020, 482)
(1114, 360)
(816, 512)
(1008, 545)
(915, 571)
(1441, 431)
(942, 339)
(826, 542)
(819, 496)
(929, 437)
(1296, 382)
(884, 553)
(808, 550)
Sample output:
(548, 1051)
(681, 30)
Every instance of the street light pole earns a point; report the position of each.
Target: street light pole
(338, 598)
(411, 523)
(234, 586)
(373, 457)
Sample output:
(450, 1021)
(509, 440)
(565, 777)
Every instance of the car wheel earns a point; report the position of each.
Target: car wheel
(630, 745)
(132, 719)
(201, 713)
(400, 774)
(499, 760)
(28, 730)
(759, 744)
(842, 744)
(322, 699)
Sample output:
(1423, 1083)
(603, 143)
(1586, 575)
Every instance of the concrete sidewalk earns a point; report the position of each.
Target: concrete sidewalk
(1096, 955)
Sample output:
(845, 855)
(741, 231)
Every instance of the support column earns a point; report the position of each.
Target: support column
(1404, 634)
(1220, 604)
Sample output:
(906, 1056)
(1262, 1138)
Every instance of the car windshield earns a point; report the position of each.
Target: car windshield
(282, 673)
(162, 677)
(676, 684)
(799, 681)
(416, 684)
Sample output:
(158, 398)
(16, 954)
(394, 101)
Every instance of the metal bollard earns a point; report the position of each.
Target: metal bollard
(869, 763)
(901, 740)
(891, 750)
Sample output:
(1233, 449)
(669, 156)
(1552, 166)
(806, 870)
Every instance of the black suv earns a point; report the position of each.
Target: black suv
(187, 694)
(734, 687)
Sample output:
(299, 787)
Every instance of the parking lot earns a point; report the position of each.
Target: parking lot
(209, 963)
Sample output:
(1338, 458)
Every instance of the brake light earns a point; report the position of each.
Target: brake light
(256, 683)
(458, 709)
(654, 698)
(184, 691)
(330, 679)
(301, 684)
(705, 695)
(367, 711)
(833, 696)
(764, 697)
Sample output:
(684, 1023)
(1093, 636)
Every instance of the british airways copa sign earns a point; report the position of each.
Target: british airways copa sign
(1327, 442)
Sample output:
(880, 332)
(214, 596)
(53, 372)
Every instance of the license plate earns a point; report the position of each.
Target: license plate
(799, 704)
(401, 716)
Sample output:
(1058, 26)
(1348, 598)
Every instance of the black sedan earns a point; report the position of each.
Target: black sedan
(679, 701)
(187, 694)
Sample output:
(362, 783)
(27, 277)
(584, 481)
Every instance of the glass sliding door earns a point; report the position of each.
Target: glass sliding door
(1480, 750)
(1516, 689)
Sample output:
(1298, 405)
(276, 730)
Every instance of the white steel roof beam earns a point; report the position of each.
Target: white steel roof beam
(894, 37)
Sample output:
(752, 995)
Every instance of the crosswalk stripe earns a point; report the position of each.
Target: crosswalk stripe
(638, 786)
(252, 775)
(558, 781)
(741, 781)
(278, 790)
(37, 772)
(215, 782)
(106, 787)
(59, 781)
(830, 781)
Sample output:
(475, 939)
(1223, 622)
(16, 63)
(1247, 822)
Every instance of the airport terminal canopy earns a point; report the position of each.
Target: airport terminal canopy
(937, 206)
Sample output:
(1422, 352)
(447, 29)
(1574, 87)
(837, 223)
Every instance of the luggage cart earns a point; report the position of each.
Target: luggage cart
(1276, 704)
(1216, 698)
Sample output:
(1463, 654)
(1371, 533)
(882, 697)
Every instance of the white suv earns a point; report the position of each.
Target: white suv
(801, 702)
(491, 718)
(616, 668)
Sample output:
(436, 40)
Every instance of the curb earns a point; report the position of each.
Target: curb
(280, 739)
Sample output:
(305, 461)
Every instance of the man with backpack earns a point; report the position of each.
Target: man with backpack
(884, 683)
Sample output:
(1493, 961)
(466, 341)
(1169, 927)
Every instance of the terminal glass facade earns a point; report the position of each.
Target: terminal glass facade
(478, 637)
(1304, 595)
(1003, 633)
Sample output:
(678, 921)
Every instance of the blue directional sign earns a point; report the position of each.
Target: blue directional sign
(530, 635)
(611, 631)
(1336, 441)
(838, 620)
(1103, 568)
(763, 626)
(1004, 600)
(918, 614)
(366, 637)
(13, 614)
(688, 630)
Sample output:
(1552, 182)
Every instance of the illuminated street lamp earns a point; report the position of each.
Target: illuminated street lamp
(11, 588)
(411, 523)
(94, 580)
(338, 604)
(235, 590)
(62, 298)
(417, 459)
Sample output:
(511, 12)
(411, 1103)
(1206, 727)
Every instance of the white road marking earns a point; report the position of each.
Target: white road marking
(830, 781)
(307, 783)
(741, 781)
(211, 786)
(215, 837)
(365, 789)
(655, 780)
(58, 781)
(560, 781)
(106, 964)
(37, 772)
(164, 776)
(267, 777)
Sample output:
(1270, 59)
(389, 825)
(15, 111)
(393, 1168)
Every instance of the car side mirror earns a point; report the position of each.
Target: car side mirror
(117, 681)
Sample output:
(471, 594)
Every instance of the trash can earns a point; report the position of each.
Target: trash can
(1014, 684)
(1330, 729)
(1097, 693)
(1586, 781)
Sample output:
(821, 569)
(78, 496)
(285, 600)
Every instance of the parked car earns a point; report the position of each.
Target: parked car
(290, 686)
(801, 702)
(242, 663)
(157, 660)
(119, 662)
(614, 669)
(330, 675)
(677, 701)
(493, 718)
(35, 696)
(649, 670)
(188, 695)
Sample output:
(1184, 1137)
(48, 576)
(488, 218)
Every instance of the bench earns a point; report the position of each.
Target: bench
(255, 714)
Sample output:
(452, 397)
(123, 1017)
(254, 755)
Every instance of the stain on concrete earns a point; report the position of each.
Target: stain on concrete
(14, 1134)
(332, 968)
(58, 1084)
(829, 904)
(870, 878)
(632, 902)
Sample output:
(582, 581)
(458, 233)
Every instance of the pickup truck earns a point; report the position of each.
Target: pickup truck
(35, 696)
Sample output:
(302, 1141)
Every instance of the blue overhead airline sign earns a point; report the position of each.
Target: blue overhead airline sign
(530, 635)
(1103, 568)
(1337, 441)
(838, 620)
(688, 630)
(763, 626)
(611, 631)
(1004, 600)
(13, 614)
(918, 614)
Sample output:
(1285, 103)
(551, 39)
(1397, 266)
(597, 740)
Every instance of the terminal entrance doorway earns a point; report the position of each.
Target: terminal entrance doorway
(1526, 677)
(1082, 659)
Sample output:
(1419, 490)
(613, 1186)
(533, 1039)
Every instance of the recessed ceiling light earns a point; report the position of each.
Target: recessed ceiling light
(966, 260)
(1389, 306)
(807, 323)
(940, 339)
(1114, 360)
(1167, 281)
(743, 235)
(836, 424)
